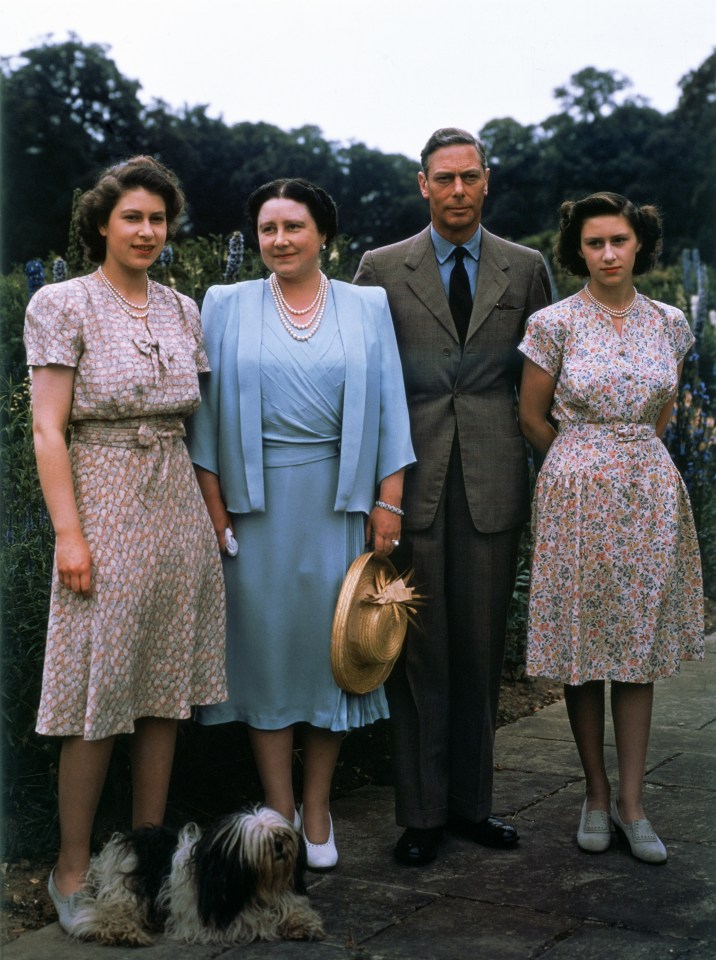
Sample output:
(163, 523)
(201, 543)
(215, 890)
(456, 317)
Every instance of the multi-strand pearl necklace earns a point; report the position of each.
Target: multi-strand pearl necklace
(138, 311)
(610, 310)
(284, 309)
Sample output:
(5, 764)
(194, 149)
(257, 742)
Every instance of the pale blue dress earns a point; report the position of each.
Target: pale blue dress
(282, 587)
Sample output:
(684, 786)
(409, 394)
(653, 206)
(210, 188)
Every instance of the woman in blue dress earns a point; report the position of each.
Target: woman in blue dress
(299, 445)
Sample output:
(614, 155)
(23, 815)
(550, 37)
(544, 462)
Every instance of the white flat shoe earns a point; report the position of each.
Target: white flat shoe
(320, 856)
(643, 841)
(595, 830)
(66, 907)
(297, 822)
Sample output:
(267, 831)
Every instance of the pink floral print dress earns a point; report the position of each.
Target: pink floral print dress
(616, 590)
(149, 641)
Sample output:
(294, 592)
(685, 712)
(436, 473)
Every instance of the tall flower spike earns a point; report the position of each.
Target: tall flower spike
(59, 270)
(236, 256)
(35, 273)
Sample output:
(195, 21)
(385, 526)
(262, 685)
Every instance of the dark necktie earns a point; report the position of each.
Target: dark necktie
(460, 297)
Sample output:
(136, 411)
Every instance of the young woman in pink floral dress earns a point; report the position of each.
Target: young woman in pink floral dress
(616, 589)
(136, 627)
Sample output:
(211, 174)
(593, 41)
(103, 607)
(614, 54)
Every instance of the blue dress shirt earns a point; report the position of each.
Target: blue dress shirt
(446, 261)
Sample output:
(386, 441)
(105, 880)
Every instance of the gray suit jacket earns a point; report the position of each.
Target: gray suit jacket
(472, 391)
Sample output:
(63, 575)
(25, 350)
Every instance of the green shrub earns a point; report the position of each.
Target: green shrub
(25, 573)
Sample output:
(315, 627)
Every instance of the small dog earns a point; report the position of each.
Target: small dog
(238, 881)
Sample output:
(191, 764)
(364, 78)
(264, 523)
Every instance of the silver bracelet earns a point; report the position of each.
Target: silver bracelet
(390, 508)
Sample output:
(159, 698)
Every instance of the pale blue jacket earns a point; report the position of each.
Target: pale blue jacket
(224, 435)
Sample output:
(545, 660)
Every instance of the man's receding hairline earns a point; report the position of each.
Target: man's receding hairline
(450, 146)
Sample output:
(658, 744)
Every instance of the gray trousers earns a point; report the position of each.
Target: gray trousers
(444, 689)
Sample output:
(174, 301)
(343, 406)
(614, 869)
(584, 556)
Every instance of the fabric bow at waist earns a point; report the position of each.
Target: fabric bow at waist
(621, 432)
(149, 433)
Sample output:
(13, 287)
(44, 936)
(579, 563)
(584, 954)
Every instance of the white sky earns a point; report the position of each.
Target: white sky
(384, 72)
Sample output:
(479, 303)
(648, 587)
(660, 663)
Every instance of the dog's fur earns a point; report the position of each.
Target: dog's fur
(240, 880)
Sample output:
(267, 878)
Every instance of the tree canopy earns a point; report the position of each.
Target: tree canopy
(69, 112)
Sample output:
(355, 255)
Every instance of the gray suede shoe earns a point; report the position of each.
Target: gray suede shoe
(643, 841)
(595, 831)
(66, 906)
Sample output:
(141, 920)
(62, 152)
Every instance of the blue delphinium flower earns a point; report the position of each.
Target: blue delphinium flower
(236, 256)
(689, 265)
(59, 270)
(35, 273)
(166, 257)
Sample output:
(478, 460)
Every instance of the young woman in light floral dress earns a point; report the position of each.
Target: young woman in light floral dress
(136, 627)
(616, 590)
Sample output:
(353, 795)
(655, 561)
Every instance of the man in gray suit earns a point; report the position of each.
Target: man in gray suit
(460, 298)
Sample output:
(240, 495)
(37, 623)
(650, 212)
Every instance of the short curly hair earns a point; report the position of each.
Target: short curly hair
(96, 205)
(645, 221)
(320, 204)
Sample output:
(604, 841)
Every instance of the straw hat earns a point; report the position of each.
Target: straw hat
(369, 625)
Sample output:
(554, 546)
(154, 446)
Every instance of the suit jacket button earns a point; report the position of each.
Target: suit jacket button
(457, 394)
(446, 352)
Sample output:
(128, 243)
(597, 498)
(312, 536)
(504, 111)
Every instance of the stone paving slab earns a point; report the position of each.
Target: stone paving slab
(451, 928)
(594, 941)
(51, 943)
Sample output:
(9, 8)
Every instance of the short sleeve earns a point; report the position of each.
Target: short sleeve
(543, 342)
(192, 318)
(54, 325)
(681, 334)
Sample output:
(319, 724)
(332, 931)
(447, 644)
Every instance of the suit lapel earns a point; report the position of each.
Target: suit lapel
(492, 281)
(425, 280)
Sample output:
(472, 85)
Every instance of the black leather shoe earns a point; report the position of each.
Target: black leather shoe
(418, 847)
(491, 832)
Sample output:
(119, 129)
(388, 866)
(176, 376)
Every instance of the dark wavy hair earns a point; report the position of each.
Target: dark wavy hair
(320, 204)
(451, 137)
(96, 205)
(645, 222)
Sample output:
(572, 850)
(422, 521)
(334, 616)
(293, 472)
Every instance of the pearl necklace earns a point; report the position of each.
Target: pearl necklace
(287, 305)
(138, 311)
(282, 308)
(610, 310)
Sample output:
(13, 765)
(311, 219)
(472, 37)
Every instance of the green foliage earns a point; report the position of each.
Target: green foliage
(591, 93)
(516, 636)
(25, 572)
(691, 441)
(13, 300)
(695, 117)
(68, 112)
(77, 262)
(197, 265)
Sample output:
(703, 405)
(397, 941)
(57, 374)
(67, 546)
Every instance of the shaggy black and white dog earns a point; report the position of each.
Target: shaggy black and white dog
(240, 880)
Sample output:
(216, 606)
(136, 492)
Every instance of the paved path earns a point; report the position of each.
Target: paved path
(545, 899)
